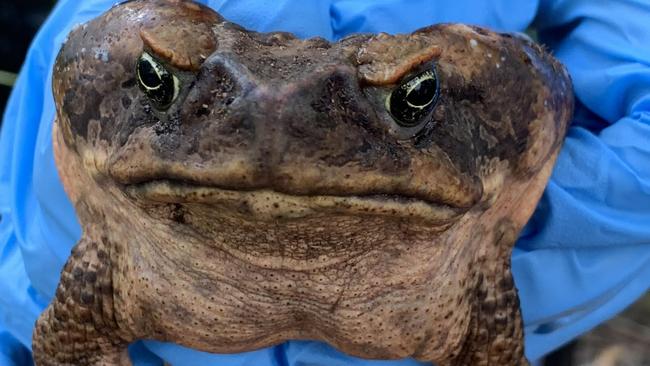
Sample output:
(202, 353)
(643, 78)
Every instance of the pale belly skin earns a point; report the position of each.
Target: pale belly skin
(275, 192)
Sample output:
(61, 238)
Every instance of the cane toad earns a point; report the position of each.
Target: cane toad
(239, 189)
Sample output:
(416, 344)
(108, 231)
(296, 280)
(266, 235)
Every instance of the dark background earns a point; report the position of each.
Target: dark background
(19, 21)
(623, 341)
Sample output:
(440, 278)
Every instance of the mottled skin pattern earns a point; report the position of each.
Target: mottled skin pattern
(276, 198)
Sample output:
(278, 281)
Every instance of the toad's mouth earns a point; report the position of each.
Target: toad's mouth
(268, 204)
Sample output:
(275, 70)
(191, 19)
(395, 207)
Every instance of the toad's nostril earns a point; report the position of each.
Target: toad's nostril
(223, 67)
(220, 82)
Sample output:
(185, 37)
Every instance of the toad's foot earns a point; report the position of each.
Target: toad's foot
(80, 326)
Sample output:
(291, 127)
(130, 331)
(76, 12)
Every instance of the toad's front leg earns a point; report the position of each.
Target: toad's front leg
(496, 335)
(81, 327)
(496, 331)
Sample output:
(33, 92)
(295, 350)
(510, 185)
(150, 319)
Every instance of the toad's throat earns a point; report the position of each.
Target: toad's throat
(269, 204)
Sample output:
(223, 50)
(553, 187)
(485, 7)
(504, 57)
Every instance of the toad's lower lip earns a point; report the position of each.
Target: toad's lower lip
(272, 205)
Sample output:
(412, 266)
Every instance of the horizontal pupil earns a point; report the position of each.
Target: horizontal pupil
(148, 75)
(423, 93)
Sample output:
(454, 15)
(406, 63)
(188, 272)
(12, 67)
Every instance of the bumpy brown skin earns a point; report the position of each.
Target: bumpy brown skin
(277, 199)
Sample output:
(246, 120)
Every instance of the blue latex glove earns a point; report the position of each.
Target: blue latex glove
(584, 256)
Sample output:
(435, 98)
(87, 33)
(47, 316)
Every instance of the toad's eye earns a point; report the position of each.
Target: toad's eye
(414, 99)
(156, 82)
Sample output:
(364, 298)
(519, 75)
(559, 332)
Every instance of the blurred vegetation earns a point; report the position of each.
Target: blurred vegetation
(622, 341)
(7, 78)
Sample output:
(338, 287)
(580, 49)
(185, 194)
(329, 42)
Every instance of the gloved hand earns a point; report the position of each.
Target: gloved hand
(583, 257)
